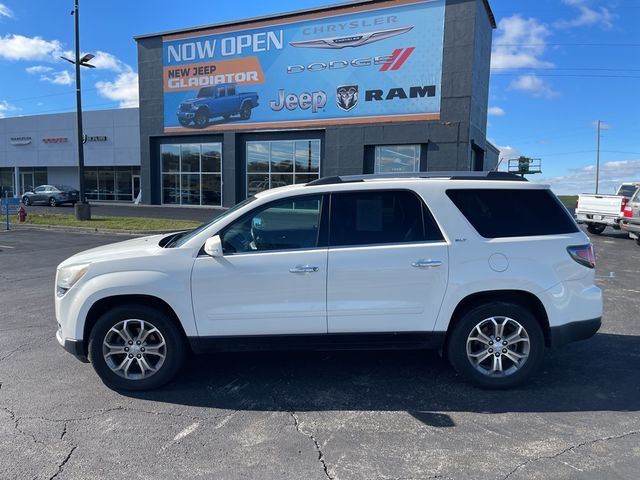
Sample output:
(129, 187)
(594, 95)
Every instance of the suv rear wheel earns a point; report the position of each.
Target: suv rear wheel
(496, 345)
(134, 347)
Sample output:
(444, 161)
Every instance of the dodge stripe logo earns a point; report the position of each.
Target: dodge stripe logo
(399, 56)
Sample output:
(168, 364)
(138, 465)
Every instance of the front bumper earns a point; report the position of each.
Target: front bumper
(74, 347)
(630, 227)
(574, 331)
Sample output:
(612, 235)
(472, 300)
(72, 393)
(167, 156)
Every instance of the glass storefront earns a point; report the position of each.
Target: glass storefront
(397, 159)
(110, 183)
(272, 164)
(192, 174)
(6, 182)
(31, 178)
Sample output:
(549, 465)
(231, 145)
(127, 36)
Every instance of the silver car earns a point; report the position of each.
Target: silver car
(630, 222)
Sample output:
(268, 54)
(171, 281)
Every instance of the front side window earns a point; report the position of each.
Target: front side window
(285, 225)
(380, 217)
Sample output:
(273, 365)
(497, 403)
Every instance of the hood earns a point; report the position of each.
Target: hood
(137, 247)
(190, 101)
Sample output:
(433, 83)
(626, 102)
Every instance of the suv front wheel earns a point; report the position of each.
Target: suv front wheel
(134, 347)
(496, 345)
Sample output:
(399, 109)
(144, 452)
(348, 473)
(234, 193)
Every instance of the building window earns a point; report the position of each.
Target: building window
(397, 159)
(110, 183)
(282, 162)
(7, 177)
(192, 174)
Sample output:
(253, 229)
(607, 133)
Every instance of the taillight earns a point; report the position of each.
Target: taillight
(628, 211)
(623, 205)
(583, 254)
(577, 202)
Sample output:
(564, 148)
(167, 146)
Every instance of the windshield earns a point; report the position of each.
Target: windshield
(182, 238)
(205, 92)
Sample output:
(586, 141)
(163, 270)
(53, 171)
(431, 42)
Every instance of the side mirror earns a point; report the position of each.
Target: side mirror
(213, 246)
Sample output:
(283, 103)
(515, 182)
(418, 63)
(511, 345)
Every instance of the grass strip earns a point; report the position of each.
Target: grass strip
(112, 223)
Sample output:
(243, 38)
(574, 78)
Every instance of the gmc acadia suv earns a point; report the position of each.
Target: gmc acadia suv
(488, 268)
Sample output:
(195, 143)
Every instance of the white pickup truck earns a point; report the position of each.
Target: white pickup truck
(600, 211)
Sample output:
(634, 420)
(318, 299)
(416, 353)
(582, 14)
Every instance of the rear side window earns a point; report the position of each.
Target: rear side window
(499, 213)
(380, 217)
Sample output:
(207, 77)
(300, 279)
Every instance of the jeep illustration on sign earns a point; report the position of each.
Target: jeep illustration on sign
(358, 64)
(216, 101)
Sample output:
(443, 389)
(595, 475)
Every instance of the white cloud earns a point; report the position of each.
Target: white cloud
(534, 85)
(583, 179)
(587, 16)
(123, 89)
(496, 111)
(38, 69)
(520, 43)
(6, 107)
(19, 47)
(62, 77)
(109, 62)
(507, 152)
(5, 11)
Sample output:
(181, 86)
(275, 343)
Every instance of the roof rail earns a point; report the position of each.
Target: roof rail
(457, 175)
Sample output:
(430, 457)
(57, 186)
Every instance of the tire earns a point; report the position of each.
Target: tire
(638, 241)
(463, 350)
(202, 118)
(53, 202)
(245, 111)
(595, 228)
(26, 201)
(184, 122)
(166, 339)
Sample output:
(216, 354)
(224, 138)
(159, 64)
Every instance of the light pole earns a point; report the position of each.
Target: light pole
(82, 208)
(598, 159)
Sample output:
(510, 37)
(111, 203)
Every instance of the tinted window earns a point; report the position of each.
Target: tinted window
(627, 190)
(370, 217)
(497, 213)
(285, 225)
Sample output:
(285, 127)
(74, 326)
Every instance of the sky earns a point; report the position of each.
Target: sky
(558, 66)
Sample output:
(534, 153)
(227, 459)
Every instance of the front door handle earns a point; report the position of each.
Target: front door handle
(426, 263)
(303, 269)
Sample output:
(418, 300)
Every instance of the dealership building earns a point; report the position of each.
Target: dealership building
(43, 150)
(379, 86)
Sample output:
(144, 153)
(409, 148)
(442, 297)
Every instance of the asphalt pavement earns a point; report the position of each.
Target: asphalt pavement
(334, 415)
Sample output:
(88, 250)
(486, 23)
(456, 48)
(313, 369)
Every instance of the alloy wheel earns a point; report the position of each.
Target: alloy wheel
(498, 346)
(134, 349)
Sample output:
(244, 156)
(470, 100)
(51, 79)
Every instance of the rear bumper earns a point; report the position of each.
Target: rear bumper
(610, 220)
(630, 227)
(574, 331)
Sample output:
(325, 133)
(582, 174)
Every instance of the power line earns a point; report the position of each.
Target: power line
(566, 44)
(571, 75)
(570, 69)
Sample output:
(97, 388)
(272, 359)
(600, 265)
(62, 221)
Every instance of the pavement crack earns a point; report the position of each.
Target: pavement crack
(569, 449)
(64, 462)
(16, 425)
(64, 431)
(32, 343)
(316, 444)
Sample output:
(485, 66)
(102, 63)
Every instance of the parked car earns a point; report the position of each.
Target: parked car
(216, 101)
(53, 195)
(343, 262)
(631, 219)
(600, 211)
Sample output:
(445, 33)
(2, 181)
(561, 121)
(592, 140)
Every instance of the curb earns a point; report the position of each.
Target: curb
(99, 231)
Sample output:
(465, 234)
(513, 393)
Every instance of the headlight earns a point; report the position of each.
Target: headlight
(69, 276)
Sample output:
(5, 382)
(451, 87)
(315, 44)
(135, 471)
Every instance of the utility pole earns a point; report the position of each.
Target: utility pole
(598, 159)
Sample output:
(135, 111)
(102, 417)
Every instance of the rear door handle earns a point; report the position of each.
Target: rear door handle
(426, 263)
(303, 269)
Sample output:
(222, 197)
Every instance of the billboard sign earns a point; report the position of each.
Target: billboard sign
(359, 64)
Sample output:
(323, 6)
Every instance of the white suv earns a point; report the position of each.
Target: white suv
(487, 268)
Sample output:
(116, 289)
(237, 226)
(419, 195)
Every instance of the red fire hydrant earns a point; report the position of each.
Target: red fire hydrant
(22, 214)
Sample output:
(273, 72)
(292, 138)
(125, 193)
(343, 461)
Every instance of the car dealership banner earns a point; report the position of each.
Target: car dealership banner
(360, 64)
